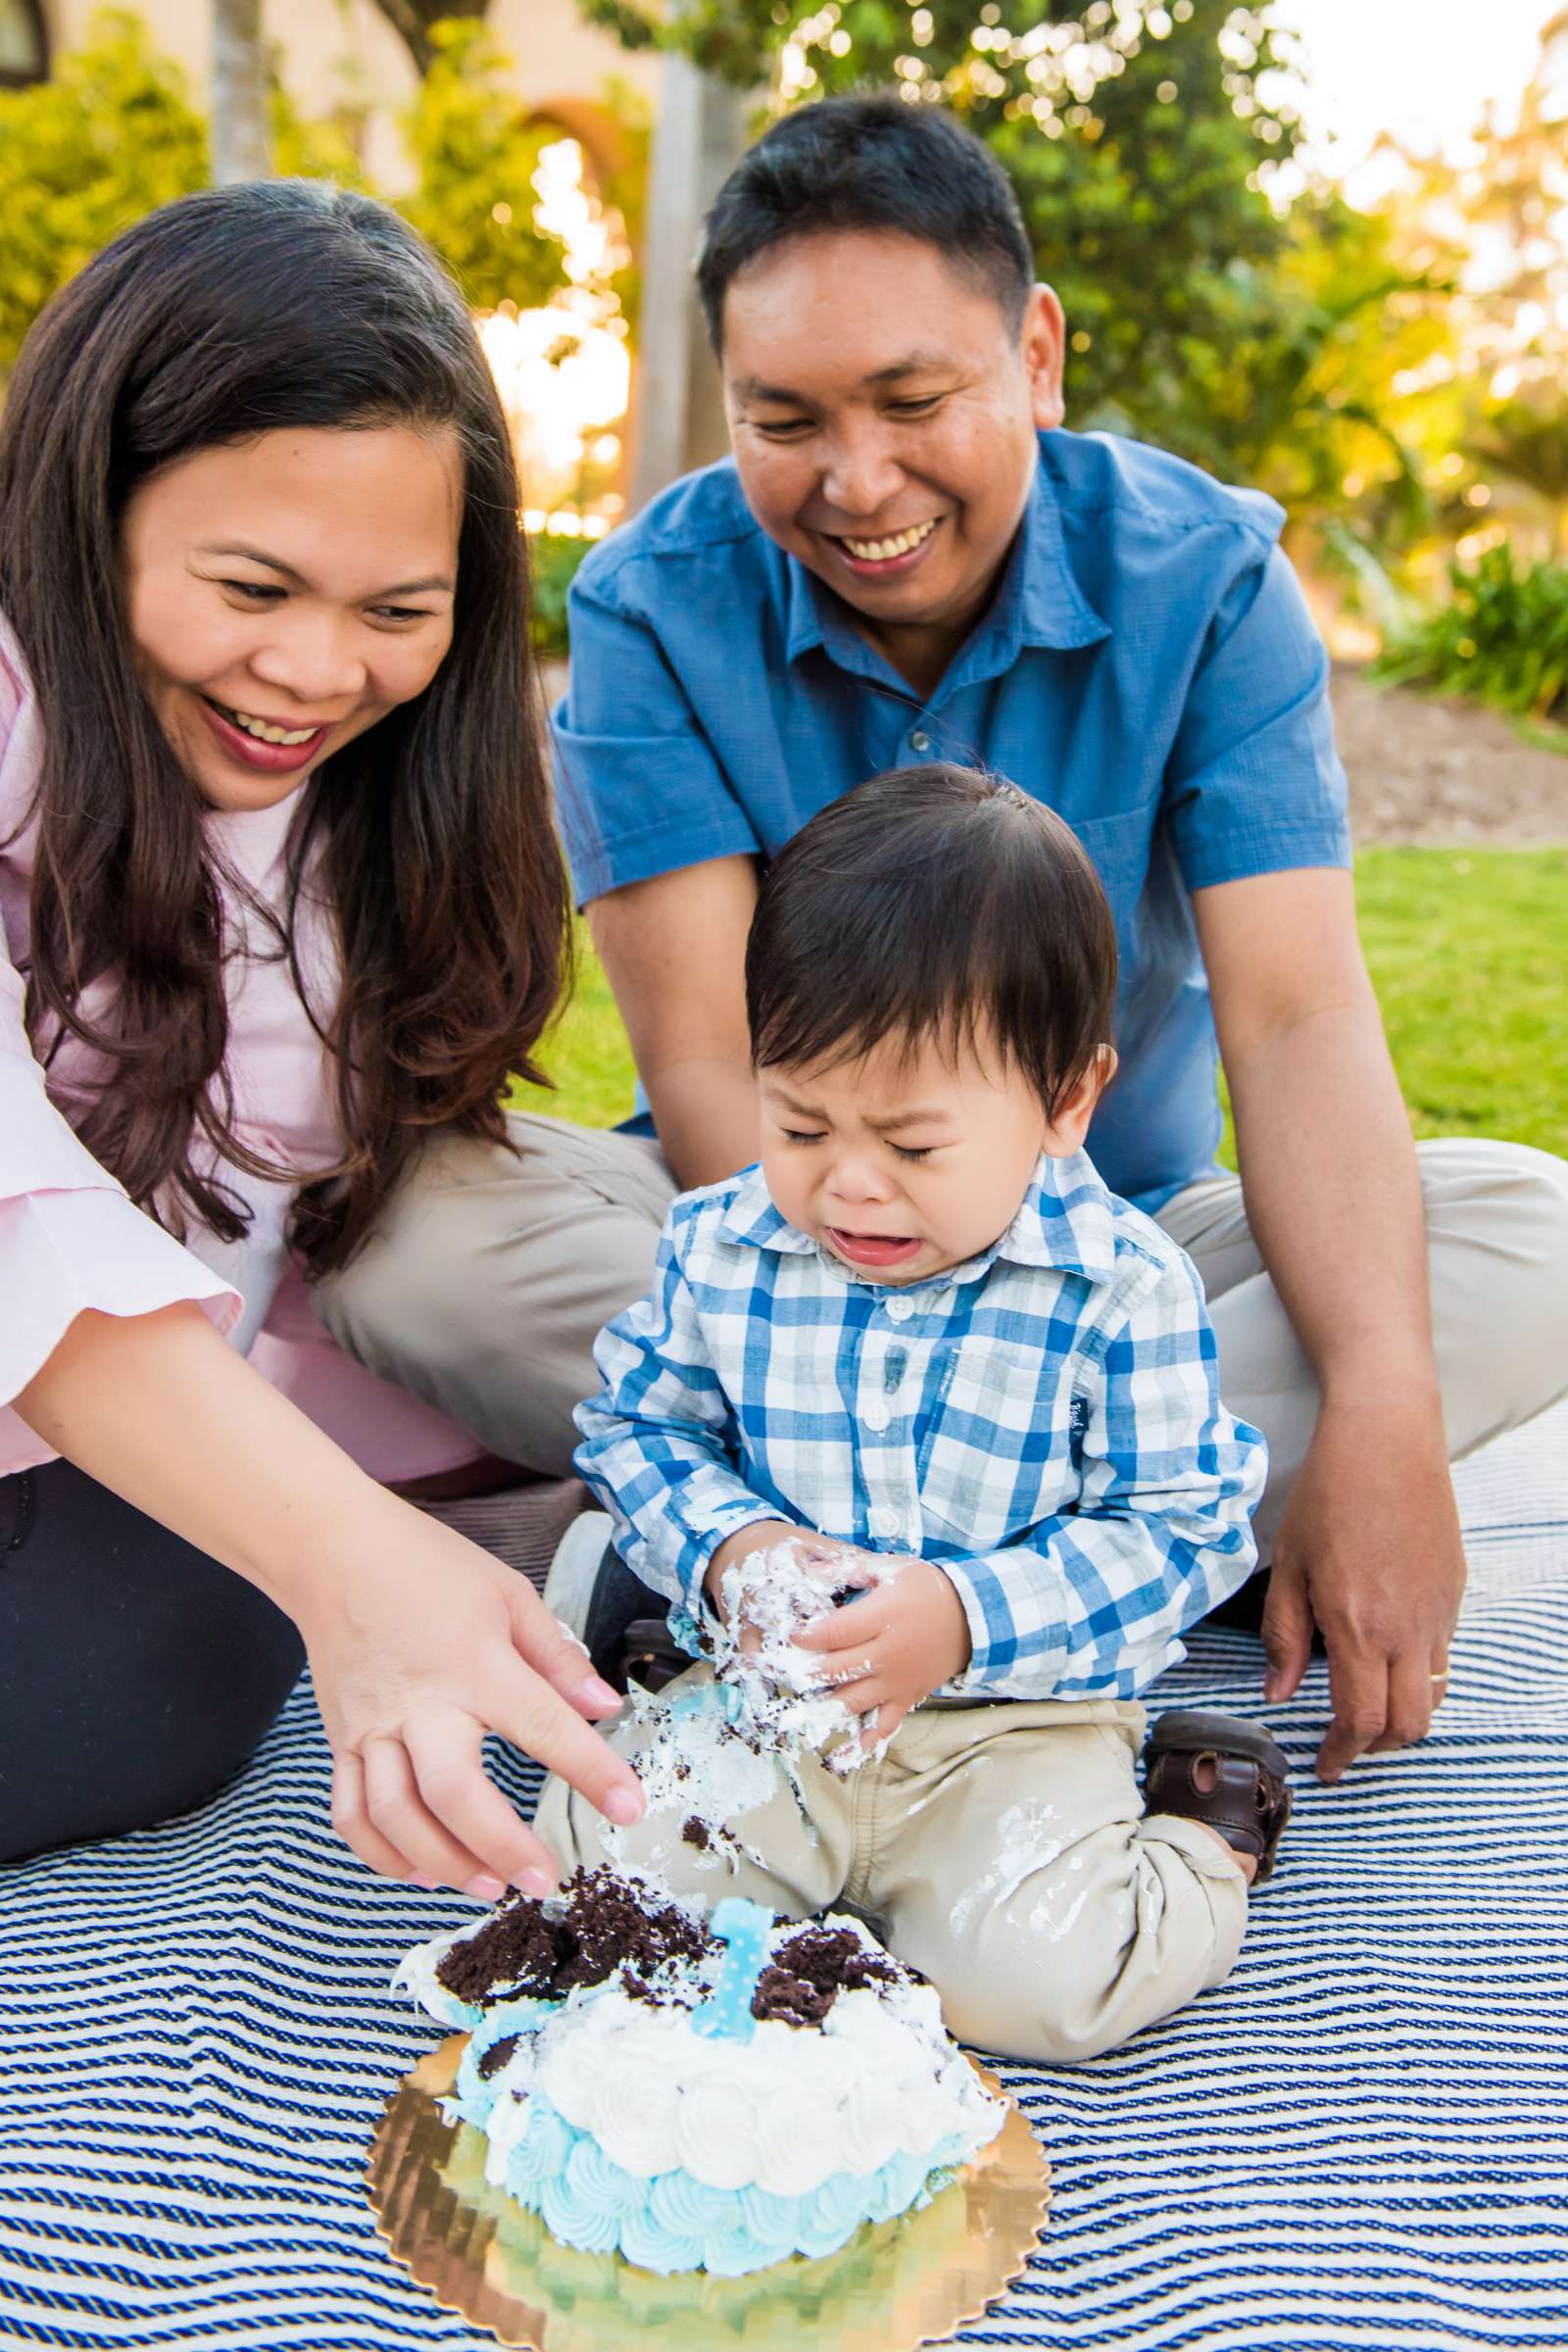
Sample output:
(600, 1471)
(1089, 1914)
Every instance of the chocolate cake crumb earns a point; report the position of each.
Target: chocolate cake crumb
(496, 2056)
(786, 2000)
(806, 1975)
(694, 1830)
(525, 1948)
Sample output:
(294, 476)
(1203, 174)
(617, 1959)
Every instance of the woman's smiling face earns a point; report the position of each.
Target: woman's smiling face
(286, 593)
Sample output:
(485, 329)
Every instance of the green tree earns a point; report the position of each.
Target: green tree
(1494, 213)
(1526, 441)
(416, 22)
(1138, 136)
(477, 151)
(116, 133)
(1269, 342)
(82, 156)
(1306, 393)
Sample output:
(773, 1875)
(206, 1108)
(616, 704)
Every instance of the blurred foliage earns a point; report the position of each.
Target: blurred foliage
(1494, 429)
(1133, 137)
(477, 152)
(1527, 442)
(553, 561)
(1299, 398)
(83, 155)
(114, 133)
(415, 21)
(623, 182)
(314, 146)
(1258, 342)
(1503, 637)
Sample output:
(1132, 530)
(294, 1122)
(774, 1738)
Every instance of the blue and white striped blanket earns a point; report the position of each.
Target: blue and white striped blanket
(1362, 2140)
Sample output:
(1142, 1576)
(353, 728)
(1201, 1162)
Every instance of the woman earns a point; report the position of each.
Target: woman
(282, 899)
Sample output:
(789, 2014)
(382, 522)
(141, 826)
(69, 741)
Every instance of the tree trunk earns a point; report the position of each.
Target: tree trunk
(239, 93)
(699, 136)
(412, 20)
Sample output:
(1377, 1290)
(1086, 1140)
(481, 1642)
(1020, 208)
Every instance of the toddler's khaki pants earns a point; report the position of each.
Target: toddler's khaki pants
(1000, 1848)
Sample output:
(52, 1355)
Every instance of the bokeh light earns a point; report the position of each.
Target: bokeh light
(563, 370)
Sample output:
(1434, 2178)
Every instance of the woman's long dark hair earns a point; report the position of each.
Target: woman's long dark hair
(222, 316)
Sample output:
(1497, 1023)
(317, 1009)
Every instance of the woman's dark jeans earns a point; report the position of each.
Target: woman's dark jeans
(136, 1673)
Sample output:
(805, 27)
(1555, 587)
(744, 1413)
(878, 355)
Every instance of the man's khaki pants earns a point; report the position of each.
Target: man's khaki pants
(490, 1277)
(1001, 1850)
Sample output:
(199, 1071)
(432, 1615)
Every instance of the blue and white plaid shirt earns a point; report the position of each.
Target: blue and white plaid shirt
(1042, 1421)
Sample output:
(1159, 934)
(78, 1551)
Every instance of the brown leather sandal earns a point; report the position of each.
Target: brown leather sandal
(651, 1656)
(1221, 1770)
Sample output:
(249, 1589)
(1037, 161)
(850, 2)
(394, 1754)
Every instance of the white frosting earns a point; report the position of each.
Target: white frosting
(788, 1699)
(782, 2111)
(695, 1764)
(415, 1975)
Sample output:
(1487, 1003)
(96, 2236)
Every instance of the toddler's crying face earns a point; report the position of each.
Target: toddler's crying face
(911, 1159)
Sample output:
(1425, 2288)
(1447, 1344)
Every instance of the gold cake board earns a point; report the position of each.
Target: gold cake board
(896, 2285)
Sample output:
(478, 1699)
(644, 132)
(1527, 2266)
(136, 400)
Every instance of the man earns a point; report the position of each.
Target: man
(909, 558)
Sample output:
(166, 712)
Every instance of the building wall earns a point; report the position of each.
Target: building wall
(333, 49)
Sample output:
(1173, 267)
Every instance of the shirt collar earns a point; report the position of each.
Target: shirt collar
(750, 1217)
(1064, 1221)
(1038, 602)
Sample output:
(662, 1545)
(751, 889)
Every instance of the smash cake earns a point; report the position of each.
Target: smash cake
(699, 2088)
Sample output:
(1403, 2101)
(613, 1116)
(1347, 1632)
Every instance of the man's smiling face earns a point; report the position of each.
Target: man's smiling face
(883, 407)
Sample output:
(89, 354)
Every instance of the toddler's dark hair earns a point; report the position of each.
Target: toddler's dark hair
(934, 902)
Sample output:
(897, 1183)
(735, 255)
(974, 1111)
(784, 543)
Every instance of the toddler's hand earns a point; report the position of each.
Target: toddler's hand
(822, 1558)
(903, 1639)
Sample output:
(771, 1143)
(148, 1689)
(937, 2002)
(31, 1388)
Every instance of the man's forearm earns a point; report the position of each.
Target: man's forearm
(1334, 1198)
(706, 1116)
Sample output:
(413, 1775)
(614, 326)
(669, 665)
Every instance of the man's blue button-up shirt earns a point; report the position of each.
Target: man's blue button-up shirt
(1147, 667)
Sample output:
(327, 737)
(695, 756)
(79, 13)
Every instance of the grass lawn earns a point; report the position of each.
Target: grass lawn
(1469, 951)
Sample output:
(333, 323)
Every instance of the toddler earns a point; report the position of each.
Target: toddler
(922, 1336)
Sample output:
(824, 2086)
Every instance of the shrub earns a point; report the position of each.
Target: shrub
(116, 133)
(81, 156)
(476, 154)
(1503, 637)
(553, 561)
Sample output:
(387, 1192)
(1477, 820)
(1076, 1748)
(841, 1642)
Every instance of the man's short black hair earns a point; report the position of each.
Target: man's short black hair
(934, 902)
(871, 163)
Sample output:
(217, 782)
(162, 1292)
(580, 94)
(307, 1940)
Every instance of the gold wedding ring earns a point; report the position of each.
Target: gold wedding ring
(1442, 1677)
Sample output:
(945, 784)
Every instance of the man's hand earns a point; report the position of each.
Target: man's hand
(1369, 1542)
(1368, 1549)
(903, 1639)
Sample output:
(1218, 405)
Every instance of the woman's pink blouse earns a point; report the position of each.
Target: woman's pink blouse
(70, 1237)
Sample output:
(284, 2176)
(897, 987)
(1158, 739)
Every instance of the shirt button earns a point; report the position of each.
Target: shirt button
(919, 741)
(882, 1521)
(877, 1416)
(899, 1309)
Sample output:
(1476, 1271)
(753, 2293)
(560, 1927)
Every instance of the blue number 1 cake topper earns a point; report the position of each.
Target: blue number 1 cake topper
(743, 1927)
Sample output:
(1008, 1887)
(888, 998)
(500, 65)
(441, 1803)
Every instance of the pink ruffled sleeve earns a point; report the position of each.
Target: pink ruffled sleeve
(70, 1238)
